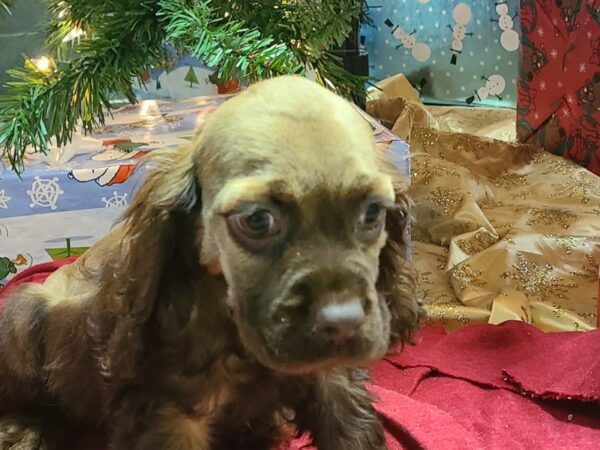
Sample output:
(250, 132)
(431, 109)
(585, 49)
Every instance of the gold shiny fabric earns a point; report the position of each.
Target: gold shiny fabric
(502, 231)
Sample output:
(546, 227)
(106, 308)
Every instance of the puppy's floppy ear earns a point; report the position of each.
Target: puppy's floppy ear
(168, 197)
(397, 281)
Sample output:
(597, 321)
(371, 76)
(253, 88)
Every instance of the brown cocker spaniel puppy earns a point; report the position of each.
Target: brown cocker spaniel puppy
(257, 271)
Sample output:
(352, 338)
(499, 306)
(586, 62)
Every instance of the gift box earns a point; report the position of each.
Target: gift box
(181, 77)
(70, 198)
(559, 81)
(453, 52)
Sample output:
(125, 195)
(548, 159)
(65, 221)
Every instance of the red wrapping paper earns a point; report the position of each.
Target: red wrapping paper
(558, 103)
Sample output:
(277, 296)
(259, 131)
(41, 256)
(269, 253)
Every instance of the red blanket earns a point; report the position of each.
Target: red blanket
(481, 387)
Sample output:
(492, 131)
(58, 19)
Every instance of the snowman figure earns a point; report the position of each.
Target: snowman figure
(509, 39)
(462, 16)
(494, 85)
(420, 50)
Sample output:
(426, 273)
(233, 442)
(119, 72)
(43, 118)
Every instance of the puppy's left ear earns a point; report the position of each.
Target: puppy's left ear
(397, 279)
(151, 229)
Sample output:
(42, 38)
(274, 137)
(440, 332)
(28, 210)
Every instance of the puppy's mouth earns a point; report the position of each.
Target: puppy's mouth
(341, 357)
(297, 353)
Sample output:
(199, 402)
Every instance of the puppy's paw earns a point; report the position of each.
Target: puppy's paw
(16, 434)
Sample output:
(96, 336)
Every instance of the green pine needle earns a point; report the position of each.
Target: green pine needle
(5, 6)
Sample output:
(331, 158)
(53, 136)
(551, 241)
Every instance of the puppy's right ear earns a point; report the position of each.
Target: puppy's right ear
(397, 276)
(149, 231)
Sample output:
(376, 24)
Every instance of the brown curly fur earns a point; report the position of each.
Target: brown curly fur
(163, 332)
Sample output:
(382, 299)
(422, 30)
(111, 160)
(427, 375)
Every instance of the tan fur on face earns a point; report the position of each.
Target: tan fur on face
(331, 144)
(274, 119)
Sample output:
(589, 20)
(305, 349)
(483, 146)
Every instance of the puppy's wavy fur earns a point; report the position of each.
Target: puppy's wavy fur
(162, 333)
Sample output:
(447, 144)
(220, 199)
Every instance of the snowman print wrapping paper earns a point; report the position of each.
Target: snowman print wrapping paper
(452, 51)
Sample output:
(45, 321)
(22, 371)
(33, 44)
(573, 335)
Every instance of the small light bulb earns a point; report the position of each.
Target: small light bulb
(73, 34)
(43, 64)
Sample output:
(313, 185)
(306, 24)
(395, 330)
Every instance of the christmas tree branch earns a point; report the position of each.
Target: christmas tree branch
(235, 50)
(49, 103)
(101, 47)
(345, 83)
(5, 6)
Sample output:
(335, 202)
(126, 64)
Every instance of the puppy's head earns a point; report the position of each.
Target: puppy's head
(303, 218)
(295, 201)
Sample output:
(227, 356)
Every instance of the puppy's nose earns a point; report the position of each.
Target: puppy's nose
(339, 322)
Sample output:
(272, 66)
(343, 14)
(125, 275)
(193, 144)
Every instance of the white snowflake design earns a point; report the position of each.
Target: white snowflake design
(571, 99)
(4, 199)
(44, 193)
(543, 85)
(116, 201)
(540, 31)
(582, 67)
(565, 112)
(554, 53)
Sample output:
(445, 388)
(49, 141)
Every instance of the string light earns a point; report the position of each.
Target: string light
(63, 12)
(73, 34)
(42, 64)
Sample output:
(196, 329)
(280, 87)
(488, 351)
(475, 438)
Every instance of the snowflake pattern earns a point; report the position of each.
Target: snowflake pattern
(4, 199)
(582, 67)
(44, 192)
(543, 85)
(115, 201)
(554, 53)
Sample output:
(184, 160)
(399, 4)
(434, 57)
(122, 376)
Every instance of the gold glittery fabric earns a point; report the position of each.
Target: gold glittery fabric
(502, 231)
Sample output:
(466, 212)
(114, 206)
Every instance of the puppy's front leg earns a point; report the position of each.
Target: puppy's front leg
(167, 427)
(336, 409)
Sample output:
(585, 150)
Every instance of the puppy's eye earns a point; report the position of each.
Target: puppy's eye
(372, 215)
(256, 227)
(371, 219)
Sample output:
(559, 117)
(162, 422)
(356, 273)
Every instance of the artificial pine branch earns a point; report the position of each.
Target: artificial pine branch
(244, 39)
(5, 6)
(230, 46)
(44, 106)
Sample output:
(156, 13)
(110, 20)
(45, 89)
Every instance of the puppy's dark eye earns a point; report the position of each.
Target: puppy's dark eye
(258, 225)
(372, 218)
(372, 215)
(255, 227)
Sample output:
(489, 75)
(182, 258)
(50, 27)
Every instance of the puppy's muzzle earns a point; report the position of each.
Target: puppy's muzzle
(339, 319)
(333, 304)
